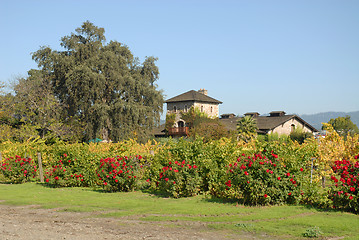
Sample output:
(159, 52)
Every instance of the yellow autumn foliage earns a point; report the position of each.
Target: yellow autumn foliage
(335, 147)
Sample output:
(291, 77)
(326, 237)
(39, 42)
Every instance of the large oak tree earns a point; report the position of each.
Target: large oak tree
(102, 84)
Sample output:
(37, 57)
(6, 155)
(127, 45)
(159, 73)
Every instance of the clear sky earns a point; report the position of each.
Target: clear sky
(253, 55)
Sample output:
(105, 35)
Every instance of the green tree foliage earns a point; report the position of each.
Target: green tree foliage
(40, 109)
(12, 126)
(300, 135)
(170, 120)
(2, 86)
(209, 129)
(246, 128)
(344, 126)
(102, 85)
(193, 117)
(202, 126)
(36, 102)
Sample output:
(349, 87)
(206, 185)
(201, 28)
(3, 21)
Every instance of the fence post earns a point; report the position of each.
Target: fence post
(40, 167)
(323, 181)
(311, 171)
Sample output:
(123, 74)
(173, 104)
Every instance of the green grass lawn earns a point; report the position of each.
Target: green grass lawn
(285, 222)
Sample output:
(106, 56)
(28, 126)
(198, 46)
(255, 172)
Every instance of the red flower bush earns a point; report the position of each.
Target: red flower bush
(344, 192)
(180, 179)
(260, 180)
(18, 169)
(118, 174)
(65, 173)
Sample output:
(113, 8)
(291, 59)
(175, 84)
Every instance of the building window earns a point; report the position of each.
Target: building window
(202, 108)
(185, 108)
(180, 123)
(174, 108)
(292, 128)
(211, 109)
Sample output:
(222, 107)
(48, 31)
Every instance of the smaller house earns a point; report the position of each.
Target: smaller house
(277, 122)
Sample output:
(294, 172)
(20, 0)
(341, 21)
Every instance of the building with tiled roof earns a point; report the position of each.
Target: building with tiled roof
(196, 99)
(277, 122)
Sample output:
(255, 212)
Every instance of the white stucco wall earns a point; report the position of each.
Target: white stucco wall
(211, 109)
(286, 128)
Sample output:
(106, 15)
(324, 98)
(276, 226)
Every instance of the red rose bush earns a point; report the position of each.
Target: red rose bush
(345, 188)
(119, 174)
(180, 179)
(18, 170)
(65, 173)
(262, 180)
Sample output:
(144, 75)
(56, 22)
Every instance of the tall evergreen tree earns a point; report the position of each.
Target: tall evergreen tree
(103, 85)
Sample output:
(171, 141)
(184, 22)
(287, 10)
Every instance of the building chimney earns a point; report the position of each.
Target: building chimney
(203, 91)
(252, 114)
(277, 114)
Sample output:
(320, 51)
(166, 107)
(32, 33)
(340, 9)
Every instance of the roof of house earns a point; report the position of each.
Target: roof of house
(267, 123)
(193, 96)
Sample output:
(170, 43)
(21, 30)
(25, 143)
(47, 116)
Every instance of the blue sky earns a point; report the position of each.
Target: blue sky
(253, 55)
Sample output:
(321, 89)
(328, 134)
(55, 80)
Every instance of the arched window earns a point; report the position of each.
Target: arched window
(202, 108)
(211, 109)
(292, 128)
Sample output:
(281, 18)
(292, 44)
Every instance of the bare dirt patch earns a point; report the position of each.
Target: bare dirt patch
(32, 222)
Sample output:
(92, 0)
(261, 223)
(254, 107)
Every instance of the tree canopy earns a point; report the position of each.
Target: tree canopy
(201, 125)
(246, 128)
(343, 125)
(102, 86)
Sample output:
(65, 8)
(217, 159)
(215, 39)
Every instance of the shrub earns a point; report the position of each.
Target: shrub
(65, 173)
(180, 179)
(119, 174)
(315, 195)
(300, 135)
(18, 170)
(313, 232)
(261, 180)
(210, 158)
(344, 192)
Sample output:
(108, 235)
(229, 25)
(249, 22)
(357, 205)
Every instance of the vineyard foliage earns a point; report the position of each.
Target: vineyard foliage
(256, 172)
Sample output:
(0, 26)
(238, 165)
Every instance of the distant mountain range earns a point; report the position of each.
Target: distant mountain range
(317, 119)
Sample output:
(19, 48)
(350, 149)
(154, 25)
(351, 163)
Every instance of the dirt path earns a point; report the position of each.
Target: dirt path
(31, 222)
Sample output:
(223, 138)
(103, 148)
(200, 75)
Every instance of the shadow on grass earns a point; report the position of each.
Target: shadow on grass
(99, 189)
(324, 209)
(206, 198)
(213, 199)
(156, 193)
(318, 208)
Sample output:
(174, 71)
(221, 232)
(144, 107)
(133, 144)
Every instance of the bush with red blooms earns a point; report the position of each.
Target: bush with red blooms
(18, 170)
(344, 192)
(262, 180)
(65, 172)
(180, 179)
(119, 174)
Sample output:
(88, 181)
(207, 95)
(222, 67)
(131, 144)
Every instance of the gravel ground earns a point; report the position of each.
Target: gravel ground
(32, 222)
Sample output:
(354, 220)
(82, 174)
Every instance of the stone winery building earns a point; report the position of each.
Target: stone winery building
(276, 122)
(183, 102)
